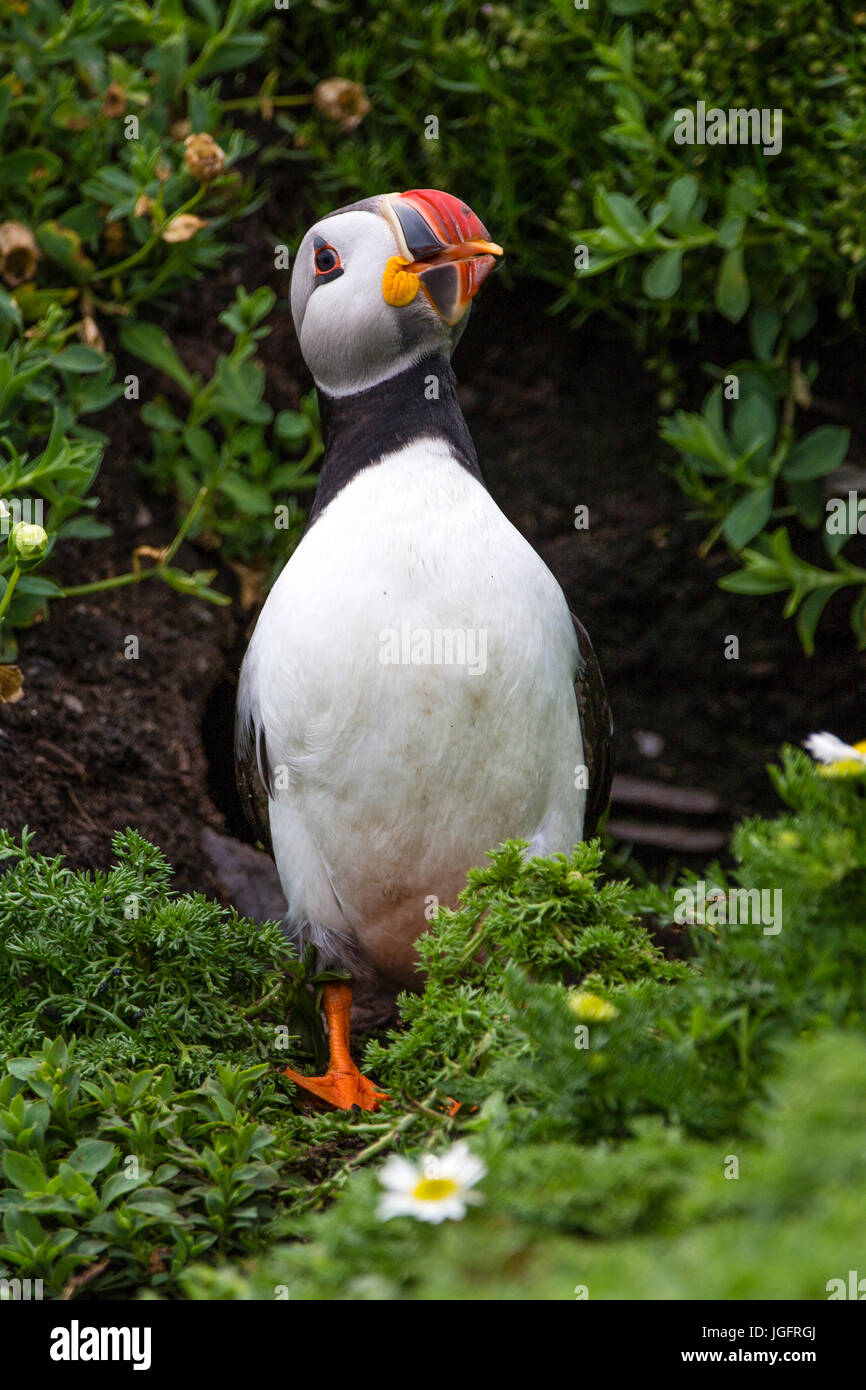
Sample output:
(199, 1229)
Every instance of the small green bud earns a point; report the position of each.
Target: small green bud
(27, 542)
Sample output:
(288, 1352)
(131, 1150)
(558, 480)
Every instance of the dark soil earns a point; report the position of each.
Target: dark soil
(560, 418)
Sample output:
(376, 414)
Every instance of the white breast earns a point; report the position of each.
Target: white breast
(413, 668)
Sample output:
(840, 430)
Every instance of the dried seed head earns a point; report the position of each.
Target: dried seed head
(203, 157)
(115, 238)
(19, 253)
(114, 101)
(88, 332)
(342, 101)
(183, 227)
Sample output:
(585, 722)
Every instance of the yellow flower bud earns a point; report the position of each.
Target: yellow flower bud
(590, 1008)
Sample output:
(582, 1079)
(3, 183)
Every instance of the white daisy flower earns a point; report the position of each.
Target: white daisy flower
(437, 1191)
(839, 759)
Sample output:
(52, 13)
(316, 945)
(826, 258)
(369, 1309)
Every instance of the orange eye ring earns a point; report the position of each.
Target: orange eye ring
(326, 261)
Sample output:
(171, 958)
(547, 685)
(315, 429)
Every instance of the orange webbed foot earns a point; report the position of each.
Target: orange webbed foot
(345, 1090)
(343, 1085)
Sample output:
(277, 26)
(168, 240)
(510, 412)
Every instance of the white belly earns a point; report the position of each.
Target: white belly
(413, 668)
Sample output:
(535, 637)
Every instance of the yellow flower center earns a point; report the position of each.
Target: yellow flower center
(845, 767)
(434, 1189)
(591, 1008)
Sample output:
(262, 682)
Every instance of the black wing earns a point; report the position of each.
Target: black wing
(596, 722)
(254, 777)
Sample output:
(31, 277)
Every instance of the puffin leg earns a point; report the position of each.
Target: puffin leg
(342, 1085)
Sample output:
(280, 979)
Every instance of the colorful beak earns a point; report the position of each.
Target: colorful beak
(445, 245)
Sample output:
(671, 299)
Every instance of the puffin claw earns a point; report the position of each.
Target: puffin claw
(346, 1089)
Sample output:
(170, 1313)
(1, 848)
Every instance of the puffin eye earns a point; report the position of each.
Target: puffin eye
(327, 262)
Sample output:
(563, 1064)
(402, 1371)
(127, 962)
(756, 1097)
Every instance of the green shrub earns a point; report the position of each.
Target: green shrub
(656, 1218)
(136, 973)
(95, 108)
(89, 113)
(604, 1087)
(129, 1179)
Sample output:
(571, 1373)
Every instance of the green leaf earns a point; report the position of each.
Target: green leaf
(754, 426)
(764, 325)
(119, 1185)
(730, 232)
(152, 345)
(157, 416)
(209, 13)
(83, 528)
(808, 499)
(251, 498)
(682, 196)
(16, 169)
(5, 98)
(858, 620)
(38, 584)
(732, 286)
(663, 276)
(63, 245)
(200, 444)
(748, 581)
(91, 1156)
(235, 53)
(292, 427)
(808, 616)
(749, 516)
(78, 359)
(802, 319)
(621, 213)
(9, 311)
(24, 1172)
(818, 454)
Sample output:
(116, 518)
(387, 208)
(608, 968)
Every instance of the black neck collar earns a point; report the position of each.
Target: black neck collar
(360, 429)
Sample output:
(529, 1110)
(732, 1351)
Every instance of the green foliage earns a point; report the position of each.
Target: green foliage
(222, 459)
(605, 1088)
(548, 919)
(656, 1218)
(130, 1179)
(131, 970)
(46, 385)
(94, 109)
(89, 109)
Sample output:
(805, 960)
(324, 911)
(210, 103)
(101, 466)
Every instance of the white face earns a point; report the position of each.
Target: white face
(351, 338)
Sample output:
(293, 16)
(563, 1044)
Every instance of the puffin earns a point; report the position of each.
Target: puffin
(416, 689)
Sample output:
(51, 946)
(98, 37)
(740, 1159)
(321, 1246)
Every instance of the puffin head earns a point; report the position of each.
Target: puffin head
(382, 283)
